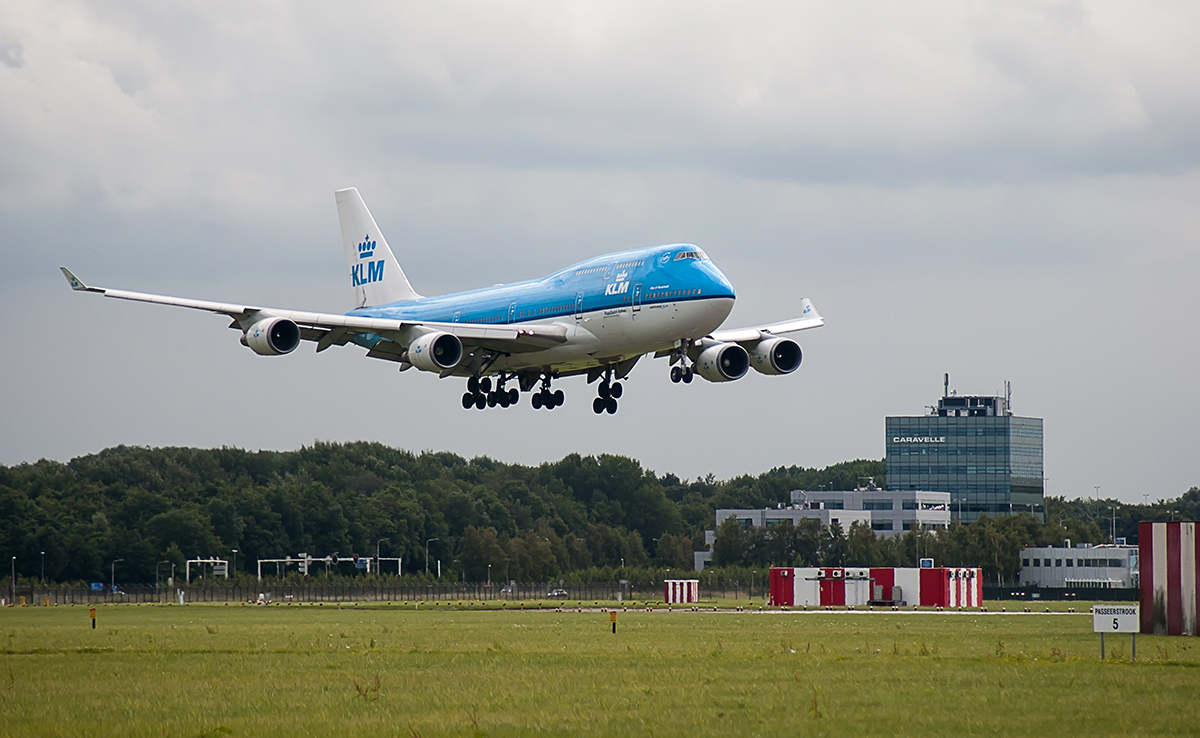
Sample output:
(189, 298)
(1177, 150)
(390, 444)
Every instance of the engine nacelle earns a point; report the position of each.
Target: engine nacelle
(435, 352)
(776, 356)
(272, 337)
(723, 362)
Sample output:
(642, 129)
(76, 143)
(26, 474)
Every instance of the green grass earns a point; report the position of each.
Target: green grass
(399, 671)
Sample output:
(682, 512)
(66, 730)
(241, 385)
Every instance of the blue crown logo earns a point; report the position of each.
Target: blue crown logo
(366, 249)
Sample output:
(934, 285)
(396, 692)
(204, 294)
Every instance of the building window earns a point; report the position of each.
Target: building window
(1024, 562)
(1037, 562)
(877, 504)
(881, 525)
(1070, 562)
(908, 505)
(1046, 563)
(833, 504)
(907, 525)
(1058, 562)
(1116, 563)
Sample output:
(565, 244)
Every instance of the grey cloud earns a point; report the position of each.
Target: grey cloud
(1005, 191)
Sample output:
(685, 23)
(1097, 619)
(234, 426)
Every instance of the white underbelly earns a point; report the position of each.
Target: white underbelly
(601, 336)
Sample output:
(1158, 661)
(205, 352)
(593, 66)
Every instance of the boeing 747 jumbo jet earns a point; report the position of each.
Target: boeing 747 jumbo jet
(597, 318)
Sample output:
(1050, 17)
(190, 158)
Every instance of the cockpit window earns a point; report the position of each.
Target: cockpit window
(697, 255)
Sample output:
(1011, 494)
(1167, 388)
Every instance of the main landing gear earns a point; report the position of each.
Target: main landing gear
(609, 392)
(480, 394)
(544, 398)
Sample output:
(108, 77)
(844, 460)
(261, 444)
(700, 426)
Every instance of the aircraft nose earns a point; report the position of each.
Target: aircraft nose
(719, 283)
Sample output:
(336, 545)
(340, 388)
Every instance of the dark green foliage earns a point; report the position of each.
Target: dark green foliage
(581, 515)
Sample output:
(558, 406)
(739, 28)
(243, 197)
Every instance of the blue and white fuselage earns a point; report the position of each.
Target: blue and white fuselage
(614, 307)
(597, 317)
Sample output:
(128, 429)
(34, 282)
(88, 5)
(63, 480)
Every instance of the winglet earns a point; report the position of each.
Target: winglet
(75, 282)
(809, 311)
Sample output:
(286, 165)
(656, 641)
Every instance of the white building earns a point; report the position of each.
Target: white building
(1084, 565)
(887, 512)
(792, 515)
(890, 511)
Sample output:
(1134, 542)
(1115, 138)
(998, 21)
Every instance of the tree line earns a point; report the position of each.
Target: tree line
(582, 514)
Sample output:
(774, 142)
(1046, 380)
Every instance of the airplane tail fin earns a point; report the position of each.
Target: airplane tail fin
(375, 274)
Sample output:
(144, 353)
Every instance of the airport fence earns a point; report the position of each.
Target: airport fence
(207, 591)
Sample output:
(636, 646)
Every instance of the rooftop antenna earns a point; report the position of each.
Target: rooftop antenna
(946, 391)
(1008, 396)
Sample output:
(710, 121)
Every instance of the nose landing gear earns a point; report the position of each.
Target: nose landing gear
(682, 374)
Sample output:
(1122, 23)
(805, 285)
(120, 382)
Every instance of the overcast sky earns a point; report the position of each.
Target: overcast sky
(1001, 191)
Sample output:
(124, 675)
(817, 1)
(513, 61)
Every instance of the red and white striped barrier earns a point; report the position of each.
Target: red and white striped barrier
(681, 591)
(1169, 568)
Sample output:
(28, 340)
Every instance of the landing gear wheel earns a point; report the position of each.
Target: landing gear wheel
(536, 401)
(502, 398)
(676, 374)
(473, 385)
(611, 406)
(480, 401)
(617, 390)
(599, 405)
(513, 396)
(559, 399)
(491, 399)
(687, 375)
(604, 390)
(468, 401)
(485, 385)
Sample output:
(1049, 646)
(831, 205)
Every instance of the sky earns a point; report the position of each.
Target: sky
(1002, 191)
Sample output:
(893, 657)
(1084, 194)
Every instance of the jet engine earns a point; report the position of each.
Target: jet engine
(272, 337)
(776, 356)
(435, 352)
(723, 362)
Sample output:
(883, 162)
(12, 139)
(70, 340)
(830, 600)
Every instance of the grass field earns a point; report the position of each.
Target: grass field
(399, 671)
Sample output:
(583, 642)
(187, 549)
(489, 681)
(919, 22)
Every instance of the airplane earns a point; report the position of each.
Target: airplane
(596, 318)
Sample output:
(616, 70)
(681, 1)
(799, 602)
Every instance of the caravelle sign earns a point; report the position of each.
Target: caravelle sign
(918, 439)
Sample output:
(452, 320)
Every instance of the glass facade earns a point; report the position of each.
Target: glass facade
(990, 464)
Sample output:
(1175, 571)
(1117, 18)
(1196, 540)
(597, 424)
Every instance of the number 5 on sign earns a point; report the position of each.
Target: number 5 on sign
(1115, 619)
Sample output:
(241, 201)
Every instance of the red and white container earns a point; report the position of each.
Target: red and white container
(681, 591)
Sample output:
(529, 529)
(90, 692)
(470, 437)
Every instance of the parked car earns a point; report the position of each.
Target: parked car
(560, 593)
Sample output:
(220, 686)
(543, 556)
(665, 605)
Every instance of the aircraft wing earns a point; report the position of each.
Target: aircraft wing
(809, 318)
(332, 329)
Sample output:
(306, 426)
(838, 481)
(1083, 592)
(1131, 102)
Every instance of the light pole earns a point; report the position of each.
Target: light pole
(489, 575)
(14, 580)
(113, 581)
(377, 562)
(427, 540)
(1114, 525)
(43, 567)
(235, 563)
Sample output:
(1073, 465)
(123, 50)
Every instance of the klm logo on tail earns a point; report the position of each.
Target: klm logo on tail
(371, 271)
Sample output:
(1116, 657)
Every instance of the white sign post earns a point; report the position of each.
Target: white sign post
(1116, 619)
